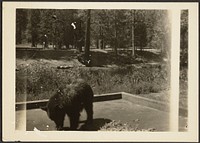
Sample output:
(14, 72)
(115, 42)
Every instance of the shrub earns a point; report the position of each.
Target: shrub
(38, 79)
(119, 126)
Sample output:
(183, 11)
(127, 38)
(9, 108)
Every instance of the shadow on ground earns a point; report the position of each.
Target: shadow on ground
(45, 54)
(95, 126)
(123, 58)
(98, 58)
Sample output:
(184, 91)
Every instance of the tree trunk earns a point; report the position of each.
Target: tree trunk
(79, 36)
(19, 35)
(65, 39)
(87, 37)
(115, 48)
(97, 43)
(132, 32)
(33, 38)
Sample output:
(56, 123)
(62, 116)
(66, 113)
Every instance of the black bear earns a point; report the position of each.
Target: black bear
(71, 100)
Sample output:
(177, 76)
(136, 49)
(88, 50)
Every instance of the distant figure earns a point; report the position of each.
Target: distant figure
(45, 41)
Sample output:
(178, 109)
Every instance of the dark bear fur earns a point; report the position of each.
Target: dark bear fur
(71, 100)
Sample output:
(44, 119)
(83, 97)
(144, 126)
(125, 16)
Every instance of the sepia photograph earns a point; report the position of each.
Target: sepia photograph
(72, 57)
(101, 70)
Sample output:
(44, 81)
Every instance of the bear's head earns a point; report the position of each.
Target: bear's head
(55, 110)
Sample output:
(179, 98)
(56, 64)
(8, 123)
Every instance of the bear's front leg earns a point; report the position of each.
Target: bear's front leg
(59, 119)
(89, 111)
(74, 121)
(59, 124)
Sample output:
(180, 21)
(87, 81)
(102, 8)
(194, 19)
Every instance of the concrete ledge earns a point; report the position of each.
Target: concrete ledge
(106, 97)
(111, 96)
(30, 104)
(151, 103)
(40, 103)
(146, 102)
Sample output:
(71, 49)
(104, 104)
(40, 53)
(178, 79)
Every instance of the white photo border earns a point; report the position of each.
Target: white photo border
(8, 72)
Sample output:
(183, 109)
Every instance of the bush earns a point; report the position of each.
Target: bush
(119, 126)
(38, 79)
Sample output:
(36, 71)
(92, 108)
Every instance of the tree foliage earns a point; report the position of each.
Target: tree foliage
(21, 23)
(184, 38)
(109, 28)
(34, 26)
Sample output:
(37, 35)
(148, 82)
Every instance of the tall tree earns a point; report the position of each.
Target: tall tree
(116, 32)
(21, 25)
(158, 30)
(133, 32)
(34, 26)
(46, 24)
(64, 32)
(87, 38)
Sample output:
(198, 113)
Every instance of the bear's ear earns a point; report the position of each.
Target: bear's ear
(44, 108)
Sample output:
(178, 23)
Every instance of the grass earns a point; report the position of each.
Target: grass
(38, 79)
(183, 92)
